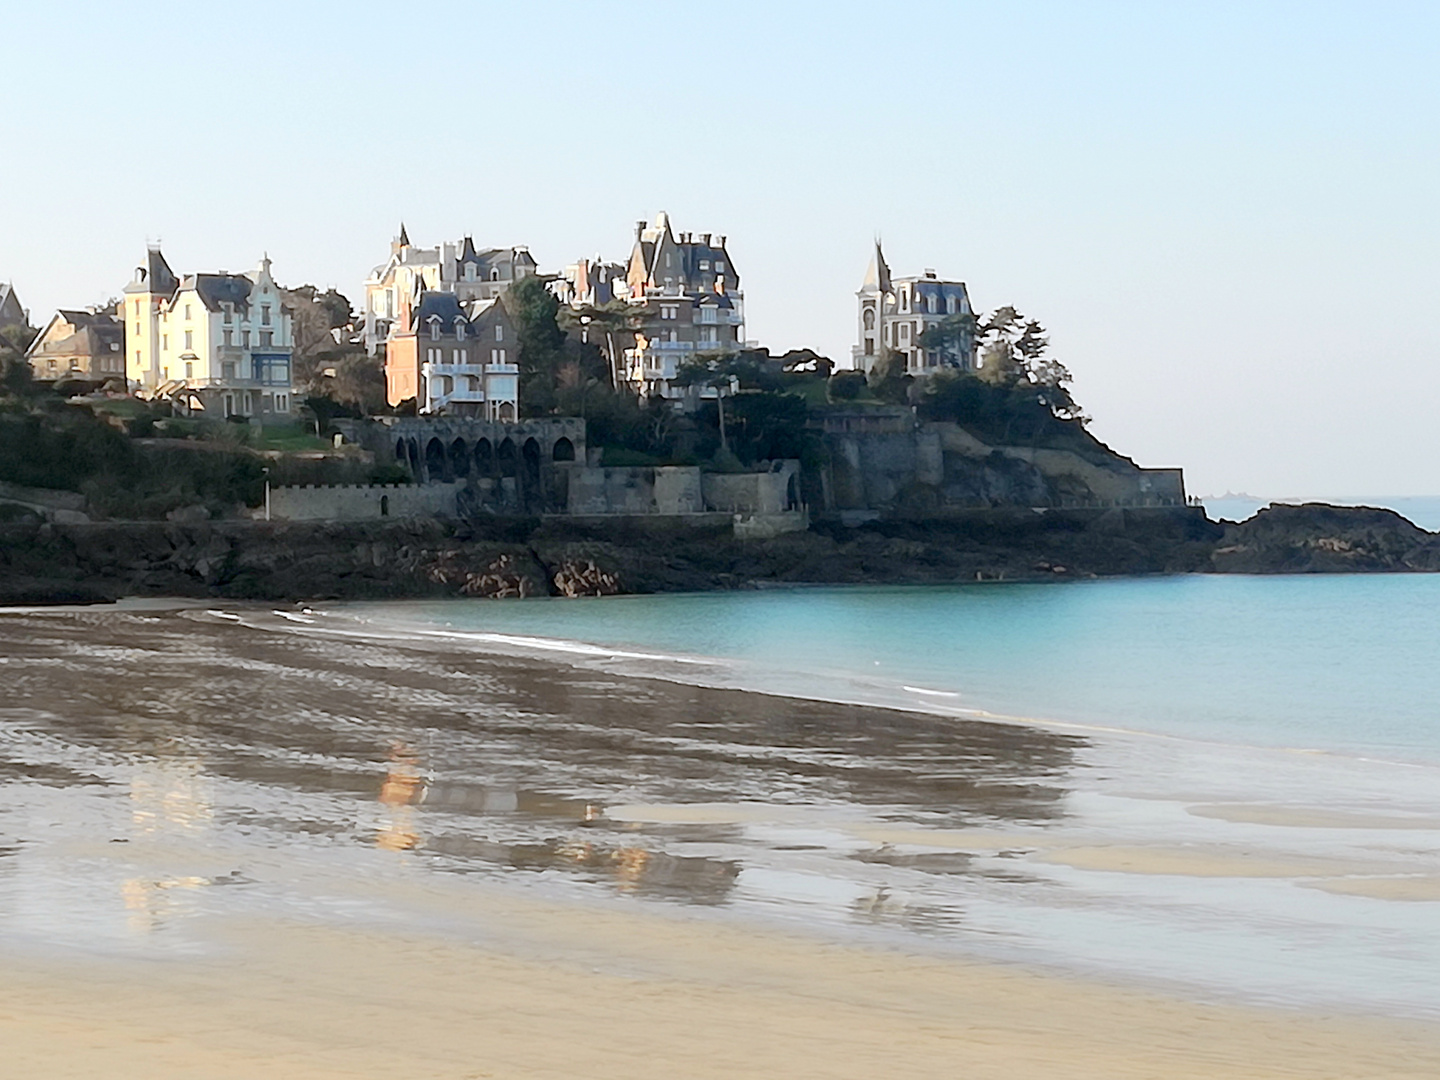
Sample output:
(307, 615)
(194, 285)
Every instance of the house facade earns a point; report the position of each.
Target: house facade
(687, 294)
(220, 343)
(453, 358)
(456, 267)
(892, 313)
(78, 344)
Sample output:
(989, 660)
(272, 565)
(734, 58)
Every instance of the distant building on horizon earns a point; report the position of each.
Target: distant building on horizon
(689, 299)
(892, 313)
(219, 342)
(78, 344)
(456, 267)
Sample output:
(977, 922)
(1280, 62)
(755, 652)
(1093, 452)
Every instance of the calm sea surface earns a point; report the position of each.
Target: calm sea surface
(1343, 663)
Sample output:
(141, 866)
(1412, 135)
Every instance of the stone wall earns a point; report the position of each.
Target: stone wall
(936, 467)
(771, 492)
(357, 502)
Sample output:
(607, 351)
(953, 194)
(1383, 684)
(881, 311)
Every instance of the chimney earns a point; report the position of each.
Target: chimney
(722, 241)
(639, 228)
(929, 273)
(705, 238)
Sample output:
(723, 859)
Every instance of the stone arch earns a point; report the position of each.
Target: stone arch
(530, 455)
(563, 450)
(435, 465)
(506, 457)
(506, 412)
(412, 455)
(459, 459)
(401, 452)
(484, 457)
(384, 505)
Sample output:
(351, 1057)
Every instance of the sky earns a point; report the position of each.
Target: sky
(1226, 214)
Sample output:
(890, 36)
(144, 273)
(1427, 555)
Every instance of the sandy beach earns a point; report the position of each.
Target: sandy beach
(579, 993)
(233, 846)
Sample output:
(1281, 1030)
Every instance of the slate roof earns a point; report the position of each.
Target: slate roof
(215, 290)
(158, 274)
(11, 310)
(442, 305)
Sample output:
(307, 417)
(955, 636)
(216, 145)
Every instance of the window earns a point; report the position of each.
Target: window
(434, 329)
(189, 339)
(719, 266)
(869, 346)
(137, 307)
(282, 402)
(137, 329)
(189, 370)
(869, 319)
(469, 271)
(459, 330)
(457, 356)
(267, 337)
(497, 356)
(187, 312)
(499, 332)
(264, 314)
(704, 264)
(904, 300)
(228, 314)
(495, 274)
(245, 338)
(949, 305)
(137, 359)
(165, 341)
(708, 314)
(227, 369)
(228, 335)
(904, 331)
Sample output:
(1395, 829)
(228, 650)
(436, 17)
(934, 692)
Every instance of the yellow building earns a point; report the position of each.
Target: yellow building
(219, 343)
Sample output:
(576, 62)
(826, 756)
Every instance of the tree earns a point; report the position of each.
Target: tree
(14, 368)
(846, 385)
(313, 317)
(535, 313)
(954, 337)
(612, 323)
(889, 381)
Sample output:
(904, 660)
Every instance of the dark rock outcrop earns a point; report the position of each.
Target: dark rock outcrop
(1317, 538)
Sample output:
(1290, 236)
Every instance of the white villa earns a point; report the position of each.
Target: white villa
(892, 313)
(219, 342)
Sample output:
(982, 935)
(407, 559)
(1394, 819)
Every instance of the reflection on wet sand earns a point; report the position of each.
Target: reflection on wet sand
(470, 763)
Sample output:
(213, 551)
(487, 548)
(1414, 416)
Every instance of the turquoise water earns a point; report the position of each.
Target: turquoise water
(1337, 663)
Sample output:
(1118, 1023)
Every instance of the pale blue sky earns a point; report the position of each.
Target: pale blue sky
(1225, 213)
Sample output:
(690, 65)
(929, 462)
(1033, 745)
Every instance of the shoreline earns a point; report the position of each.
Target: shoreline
(542, 989)
(757, 797)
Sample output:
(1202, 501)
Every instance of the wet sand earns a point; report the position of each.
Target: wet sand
(601, 994)
(243, 850)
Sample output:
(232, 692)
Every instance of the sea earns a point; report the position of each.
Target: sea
(1228, 786)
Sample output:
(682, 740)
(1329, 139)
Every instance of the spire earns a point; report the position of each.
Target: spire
(404, 236)
(877, 276)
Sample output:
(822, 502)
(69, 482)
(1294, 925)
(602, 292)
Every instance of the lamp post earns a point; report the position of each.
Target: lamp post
(267, 493)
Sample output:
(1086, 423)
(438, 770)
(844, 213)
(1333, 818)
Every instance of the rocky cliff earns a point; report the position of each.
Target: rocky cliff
(517, 557)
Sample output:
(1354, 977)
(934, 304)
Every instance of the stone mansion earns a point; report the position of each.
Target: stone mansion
(892, 313)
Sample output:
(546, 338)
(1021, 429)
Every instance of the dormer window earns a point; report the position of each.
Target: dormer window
(228, 314)
(495, 274)
(719, 265)
(459, 329)
(434, 329)
(704, 264)
(469, 271)
(499, 332)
